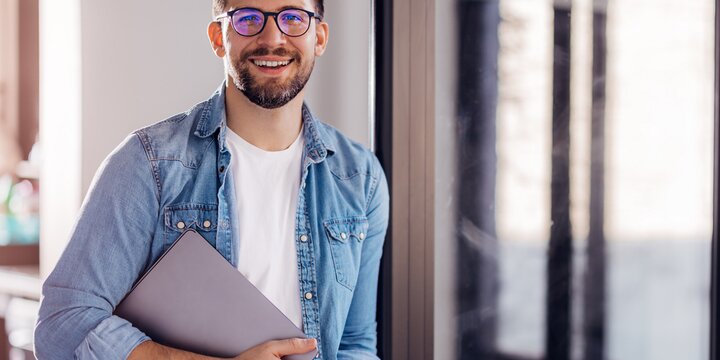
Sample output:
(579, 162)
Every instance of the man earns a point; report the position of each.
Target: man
(298, 208)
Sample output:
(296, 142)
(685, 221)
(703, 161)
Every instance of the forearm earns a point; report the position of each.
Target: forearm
(66, 334)
(108, 250)
(153, 350)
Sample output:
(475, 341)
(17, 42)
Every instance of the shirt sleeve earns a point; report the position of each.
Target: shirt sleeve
(108, 249)
(359, 338)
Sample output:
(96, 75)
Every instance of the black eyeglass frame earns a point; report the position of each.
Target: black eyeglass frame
(266, 15)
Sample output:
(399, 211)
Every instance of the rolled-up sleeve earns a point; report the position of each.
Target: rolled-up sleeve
(108, 249)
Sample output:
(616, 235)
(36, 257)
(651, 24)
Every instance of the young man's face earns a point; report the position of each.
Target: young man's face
(270, 68)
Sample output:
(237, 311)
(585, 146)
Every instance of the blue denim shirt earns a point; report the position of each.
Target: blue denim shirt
(177, 171)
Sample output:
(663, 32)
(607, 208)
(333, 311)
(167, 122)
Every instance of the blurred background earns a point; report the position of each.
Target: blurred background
(584, 131)
(570, 158)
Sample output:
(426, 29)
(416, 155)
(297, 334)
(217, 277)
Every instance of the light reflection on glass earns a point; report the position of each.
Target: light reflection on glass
(652, 170)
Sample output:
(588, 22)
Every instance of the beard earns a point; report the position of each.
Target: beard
(274, 93)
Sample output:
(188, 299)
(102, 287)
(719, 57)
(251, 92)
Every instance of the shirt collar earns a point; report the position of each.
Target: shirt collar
(213, 118)
(317, 144)
(212, 114)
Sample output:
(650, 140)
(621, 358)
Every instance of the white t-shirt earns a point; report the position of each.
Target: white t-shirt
(266, 190)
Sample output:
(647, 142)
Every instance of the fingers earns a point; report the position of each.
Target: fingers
(292, 346)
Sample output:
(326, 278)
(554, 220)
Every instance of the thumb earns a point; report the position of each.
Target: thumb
(294, 346)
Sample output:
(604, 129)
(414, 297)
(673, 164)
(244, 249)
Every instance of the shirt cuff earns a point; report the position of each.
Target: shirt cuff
(356, 355)
(113, 338)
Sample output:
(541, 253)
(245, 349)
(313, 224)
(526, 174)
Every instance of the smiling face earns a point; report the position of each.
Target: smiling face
(269, 68)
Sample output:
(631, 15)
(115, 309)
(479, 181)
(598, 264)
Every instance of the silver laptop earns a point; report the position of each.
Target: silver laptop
(193, 299)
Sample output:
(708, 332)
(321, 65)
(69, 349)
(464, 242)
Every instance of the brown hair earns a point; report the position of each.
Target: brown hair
(219, 7)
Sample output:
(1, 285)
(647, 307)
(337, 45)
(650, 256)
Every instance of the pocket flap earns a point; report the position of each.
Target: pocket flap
(344, 229)
(196, 216)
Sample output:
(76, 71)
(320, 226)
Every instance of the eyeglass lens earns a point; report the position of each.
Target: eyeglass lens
(249, 22)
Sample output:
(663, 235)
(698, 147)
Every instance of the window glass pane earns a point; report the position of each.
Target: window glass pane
(574, 173)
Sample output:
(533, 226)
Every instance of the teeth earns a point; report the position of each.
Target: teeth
(270, 63)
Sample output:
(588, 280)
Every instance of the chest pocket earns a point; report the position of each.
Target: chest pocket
(200, 217)
(346, 237)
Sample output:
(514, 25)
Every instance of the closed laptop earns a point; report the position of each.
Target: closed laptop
(193, 299)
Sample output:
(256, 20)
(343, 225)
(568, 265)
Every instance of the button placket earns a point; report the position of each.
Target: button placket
(308, 275)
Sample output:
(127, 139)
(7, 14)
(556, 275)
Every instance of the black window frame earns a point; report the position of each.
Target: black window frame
(716, 197)
(383, 15)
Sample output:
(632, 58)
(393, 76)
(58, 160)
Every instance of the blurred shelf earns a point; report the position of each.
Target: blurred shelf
(19, 255)
(21, 281)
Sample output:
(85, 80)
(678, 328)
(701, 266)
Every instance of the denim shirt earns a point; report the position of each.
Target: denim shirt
(173, 175)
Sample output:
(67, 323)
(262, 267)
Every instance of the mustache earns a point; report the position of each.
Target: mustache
(276, 52)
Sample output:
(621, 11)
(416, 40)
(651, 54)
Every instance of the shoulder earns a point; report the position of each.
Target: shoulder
(175, 137)
(349, 158)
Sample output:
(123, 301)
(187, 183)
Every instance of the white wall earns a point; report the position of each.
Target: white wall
(102, 79)
(338, 90)
(155, 62)
(60, 124)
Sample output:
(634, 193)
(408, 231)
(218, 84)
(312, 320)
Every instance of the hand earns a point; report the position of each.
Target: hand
(276, 349)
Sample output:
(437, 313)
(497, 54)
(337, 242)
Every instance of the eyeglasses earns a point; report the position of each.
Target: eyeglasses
(251, 21)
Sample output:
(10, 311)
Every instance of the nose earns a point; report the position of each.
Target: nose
(271, 34)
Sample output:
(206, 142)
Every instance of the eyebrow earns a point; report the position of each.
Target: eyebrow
(289, 7)
(278, 10)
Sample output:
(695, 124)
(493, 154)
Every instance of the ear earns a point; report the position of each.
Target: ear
(215, 35)
(322, 33)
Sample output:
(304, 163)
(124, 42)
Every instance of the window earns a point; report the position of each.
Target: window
(570, 179)
(574, 167)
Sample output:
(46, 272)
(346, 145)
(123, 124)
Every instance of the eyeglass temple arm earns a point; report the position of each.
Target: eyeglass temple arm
(227, 14)
(221, 16)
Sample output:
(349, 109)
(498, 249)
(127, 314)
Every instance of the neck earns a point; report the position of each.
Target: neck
(267, 129)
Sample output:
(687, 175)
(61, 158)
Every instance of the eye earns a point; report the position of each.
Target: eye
(291, 17)
(248, 17)
(251, 19)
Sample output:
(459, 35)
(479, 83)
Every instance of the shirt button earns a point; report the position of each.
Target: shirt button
(362, 236)
(181, 225)
(308, 295)
(207, 224)
(222, 169)
(343, 236)
(303, 238)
